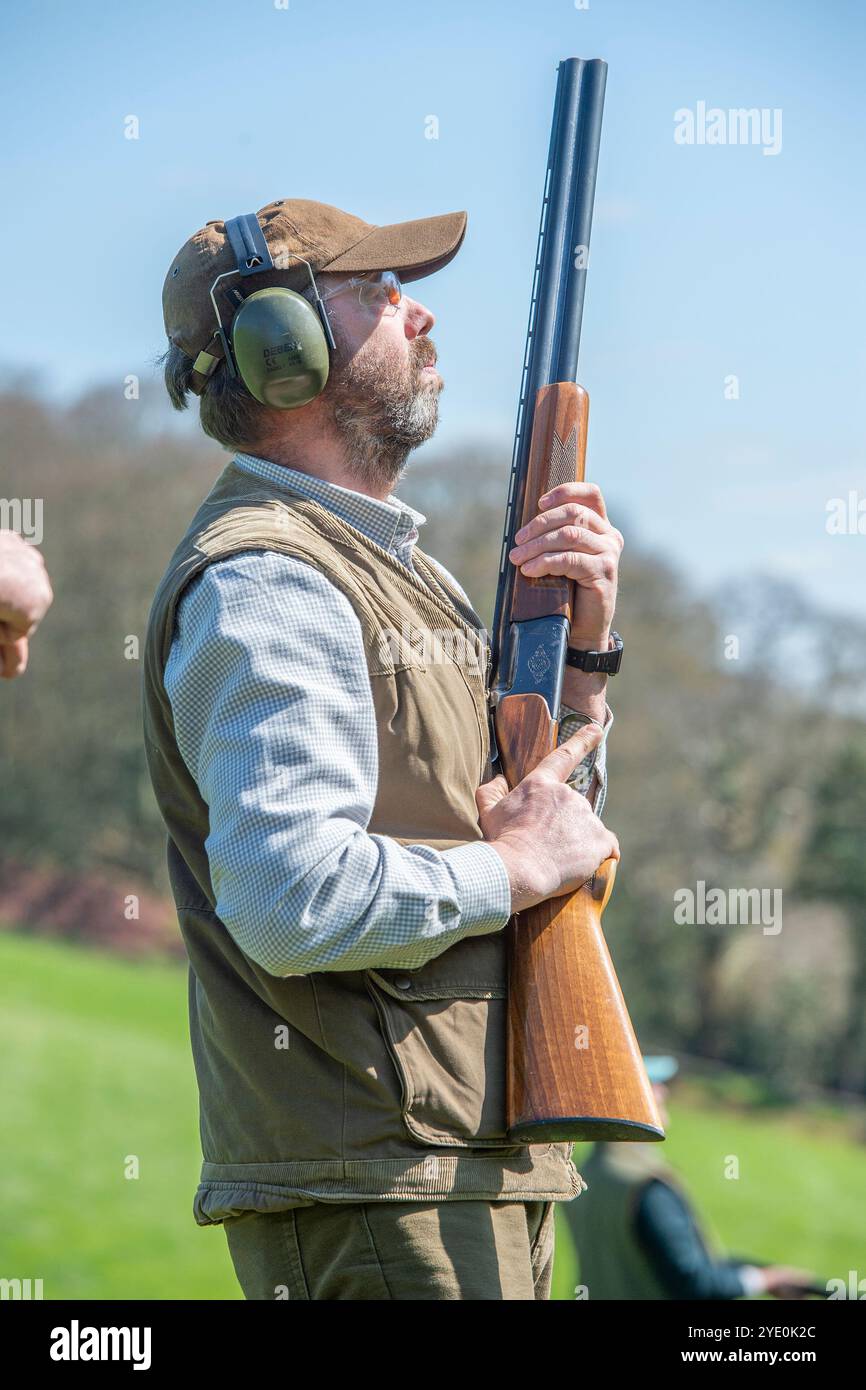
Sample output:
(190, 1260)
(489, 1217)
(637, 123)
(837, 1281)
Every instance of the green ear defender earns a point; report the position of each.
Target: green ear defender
(280, 348)
(278, 343)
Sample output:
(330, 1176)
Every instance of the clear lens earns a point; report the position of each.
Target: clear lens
(386, 288)
(392, 286)
(382, 287)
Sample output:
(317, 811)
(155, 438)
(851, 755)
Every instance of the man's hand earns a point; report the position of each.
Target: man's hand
(573, 536)
(550, 840)
(25, 596)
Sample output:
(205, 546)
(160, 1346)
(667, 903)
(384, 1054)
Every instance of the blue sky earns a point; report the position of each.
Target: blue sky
(707, 261)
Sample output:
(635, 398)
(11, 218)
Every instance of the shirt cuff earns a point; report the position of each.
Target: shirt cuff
(570, 720)
(751, 1278)
(483, 887)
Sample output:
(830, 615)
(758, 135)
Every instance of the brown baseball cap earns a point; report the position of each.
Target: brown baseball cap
(331, 240)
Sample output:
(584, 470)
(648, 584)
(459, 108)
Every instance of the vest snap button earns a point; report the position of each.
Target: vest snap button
(402, 982)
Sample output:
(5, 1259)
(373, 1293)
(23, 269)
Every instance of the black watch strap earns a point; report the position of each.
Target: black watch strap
(607, 662)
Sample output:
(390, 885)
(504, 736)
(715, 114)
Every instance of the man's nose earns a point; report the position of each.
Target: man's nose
(419, 319)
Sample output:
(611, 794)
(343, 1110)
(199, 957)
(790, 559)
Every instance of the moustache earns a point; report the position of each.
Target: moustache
(426, 356)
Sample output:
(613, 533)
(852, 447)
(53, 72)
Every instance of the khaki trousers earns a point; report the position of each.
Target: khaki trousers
(395, 1250)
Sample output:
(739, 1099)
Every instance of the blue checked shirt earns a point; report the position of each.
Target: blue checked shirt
(274, 719)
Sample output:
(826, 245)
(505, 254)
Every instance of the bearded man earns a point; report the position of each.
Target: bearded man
(342, 859)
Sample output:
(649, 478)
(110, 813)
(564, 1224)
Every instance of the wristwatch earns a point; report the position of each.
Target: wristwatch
(608, 662)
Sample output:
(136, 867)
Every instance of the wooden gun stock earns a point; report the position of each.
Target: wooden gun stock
(575, 1071)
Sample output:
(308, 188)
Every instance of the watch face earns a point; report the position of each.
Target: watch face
(613, 659)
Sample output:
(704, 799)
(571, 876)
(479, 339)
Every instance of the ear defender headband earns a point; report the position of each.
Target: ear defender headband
(277, 343)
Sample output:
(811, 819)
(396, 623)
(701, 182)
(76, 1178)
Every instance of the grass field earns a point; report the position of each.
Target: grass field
(97, 1076)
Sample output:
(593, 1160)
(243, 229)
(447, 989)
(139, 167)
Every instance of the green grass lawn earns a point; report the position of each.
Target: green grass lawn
(97, 1068)
(97, 1075)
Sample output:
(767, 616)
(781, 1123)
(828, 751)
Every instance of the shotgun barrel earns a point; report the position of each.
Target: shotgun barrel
(574, 1067)
(558, 287)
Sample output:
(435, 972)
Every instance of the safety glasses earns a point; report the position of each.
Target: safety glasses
(380, 289)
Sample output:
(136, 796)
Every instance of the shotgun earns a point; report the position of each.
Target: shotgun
(574, 1069)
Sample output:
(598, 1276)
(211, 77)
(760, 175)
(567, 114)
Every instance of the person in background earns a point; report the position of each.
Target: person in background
(25, 597)
(637, 1234)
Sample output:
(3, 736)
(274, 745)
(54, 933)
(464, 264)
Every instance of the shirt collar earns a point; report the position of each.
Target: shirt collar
(389, 522)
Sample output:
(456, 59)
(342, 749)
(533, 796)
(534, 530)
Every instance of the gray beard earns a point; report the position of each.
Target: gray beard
(382, 413)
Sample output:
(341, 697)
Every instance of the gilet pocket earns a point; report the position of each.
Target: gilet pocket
(444, 1026)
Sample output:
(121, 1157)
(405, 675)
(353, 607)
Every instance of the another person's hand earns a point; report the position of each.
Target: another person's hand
(784, 1282)
(550, 840)
(25, 597)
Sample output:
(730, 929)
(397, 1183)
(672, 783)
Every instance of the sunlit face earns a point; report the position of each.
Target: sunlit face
(383, 391)
(397, 333)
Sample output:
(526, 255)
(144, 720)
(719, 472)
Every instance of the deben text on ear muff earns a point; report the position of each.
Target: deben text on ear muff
(277, 343)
